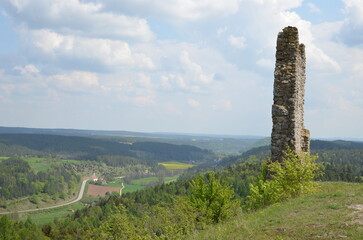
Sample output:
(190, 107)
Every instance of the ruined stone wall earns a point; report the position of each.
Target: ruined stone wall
(289, 87)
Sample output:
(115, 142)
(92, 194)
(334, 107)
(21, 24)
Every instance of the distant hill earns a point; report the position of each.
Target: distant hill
(90, 148)
(316, 145)
(337, 152)
(226, 144)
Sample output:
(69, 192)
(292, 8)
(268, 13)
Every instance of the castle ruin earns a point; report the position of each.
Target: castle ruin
(289, 87)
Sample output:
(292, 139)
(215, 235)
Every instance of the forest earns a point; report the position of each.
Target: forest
(87, 148)
(17, 179)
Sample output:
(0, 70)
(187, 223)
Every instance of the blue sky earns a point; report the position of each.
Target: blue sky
(188, 66)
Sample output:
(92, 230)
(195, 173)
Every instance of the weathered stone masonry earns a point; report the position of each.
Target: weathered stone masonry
(289, 86)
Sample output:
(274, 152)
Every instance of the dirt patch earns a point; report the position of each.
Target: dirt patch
(94, 190)
(358, 213)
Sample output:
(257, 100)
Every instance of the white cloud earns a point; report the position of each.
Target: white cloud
(27, 69)
(144, 81)
(175, 82)
(112, 53)
(179, 9)
(352, 30)
(193, 103)
(77, 17)
(139, 100)
(76, 81)
(237, 42)
(321, 61)
(173, 110)
(194, 69)
(354, 10)
(221, 30)
(279, 5)
(223, 105)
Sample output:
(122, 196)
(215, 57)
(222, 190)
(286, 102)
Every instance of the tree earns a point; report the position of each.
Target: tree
(212, 198)
(290, 178)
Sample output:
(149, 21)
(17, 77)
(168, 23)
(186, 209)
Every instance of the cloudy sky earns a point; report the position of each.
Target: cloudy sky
(188, 66)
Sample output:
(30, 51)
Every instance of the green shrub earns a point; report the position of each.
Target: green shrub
(288, 179)
(212, 199)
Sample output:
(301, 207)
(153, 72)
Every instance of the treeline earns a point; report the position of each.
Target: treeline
(17, 179)
(339, 172)
(10, 150)
(109, 151)
(340, 160)
(13, 230)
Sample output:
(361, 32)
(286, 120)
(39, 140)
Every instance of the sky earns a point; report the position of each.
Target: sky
(182, 66)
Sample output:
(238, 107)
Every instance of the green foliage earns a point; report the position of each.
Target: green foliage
(115, 227)
(11, 230)
(290, 178)
(212, 199)
(18, 179)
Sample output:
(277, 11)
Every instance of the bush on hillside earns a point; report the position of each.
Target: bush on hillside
(212, 199)
(288, 179)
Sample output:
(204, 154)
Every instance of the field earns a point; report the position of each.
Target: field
(94, 190)
(39, 164)
(145, 181)
(176, 165)
(171, 179)
(148, 180)
(138, 184)
(132, 188)
(127, 187)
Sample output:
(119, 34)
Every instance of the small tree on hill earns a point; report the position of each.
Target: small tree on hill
(212, 199)
(290, 178)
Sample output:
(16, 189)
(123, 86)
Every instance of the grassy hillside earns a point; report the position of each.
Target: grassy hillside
(335, 212)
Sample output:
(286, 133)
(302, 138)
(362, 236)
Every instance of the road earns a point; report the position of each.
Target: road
(80, 195)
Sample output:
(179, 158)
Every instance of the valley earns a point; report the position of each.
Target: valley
(147, 174)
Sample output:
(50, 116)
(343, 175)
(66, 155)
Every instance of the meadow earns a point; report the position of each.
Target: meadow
(43, 164)
(47, 216)
(335, 212)
(173, 165)
(127, 187)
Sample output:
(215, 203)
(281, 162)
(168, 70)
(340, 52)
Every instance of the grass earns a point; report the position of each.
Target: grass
(43, 164)
(145, 181)
(324, 215)
(171, 179)
(138, 184)
(132, 188)
(39, 164)
(47, 216)
(148, 180)
(128, 187)
(172, 165)
(71, 161)
(114, 184)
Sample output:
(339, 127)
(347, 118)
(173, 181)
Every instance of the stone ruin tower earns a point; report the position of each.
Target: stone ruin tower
(289, 87)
